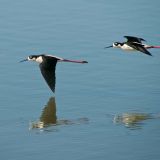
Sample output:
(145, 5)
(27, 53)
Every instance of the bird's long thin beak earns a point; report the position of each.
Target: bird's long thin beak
(108, 46)
(23, 60)
(73, 61)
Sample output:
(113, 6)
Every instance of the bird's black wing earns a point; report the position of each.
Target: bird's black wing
(134, 39)
(48, 68)
(139, 47)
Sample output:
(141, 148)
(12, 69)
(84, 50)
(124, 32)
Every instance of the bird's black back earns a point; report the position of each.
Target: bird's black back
(134, 39)
(48, 67)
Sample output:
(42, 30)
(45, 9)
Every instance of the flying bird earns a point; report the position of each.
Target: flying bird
(47, 65)
(133, 44)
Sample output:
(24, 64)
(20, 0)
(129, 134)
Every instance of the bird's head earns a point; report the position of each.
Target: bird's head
(36, 58)
(115, 45)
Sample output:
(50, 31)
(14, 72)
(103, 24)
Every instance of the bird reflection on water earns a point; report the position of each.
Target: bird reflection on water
(132, 120)
(48, 117)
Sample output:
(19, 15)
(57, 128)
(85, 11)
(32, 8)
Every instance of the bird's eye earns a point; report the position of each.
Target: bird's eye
(30, 57)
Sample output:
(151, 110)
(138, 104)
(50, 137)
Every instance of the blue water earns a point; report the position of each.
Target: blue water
(88, 96)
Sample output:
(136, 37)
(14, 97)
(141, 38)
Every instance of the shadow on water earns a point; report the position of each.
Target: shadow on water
(132, 120)
(49, 119)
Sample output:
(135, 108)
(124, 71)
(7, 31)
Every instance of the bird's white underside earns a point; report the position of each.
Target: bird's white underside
(127, 48)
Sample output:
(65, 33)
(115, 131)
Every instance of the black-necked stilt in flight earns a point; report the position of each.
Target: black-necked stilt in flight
(133, 44)
(47, 64)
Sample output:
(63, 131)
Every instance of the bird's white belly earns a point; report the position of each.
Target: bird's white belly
(127, 48)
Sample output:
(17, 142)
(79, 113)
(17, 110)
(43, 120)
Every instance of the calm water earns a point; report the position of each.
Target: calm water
(106, 109)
